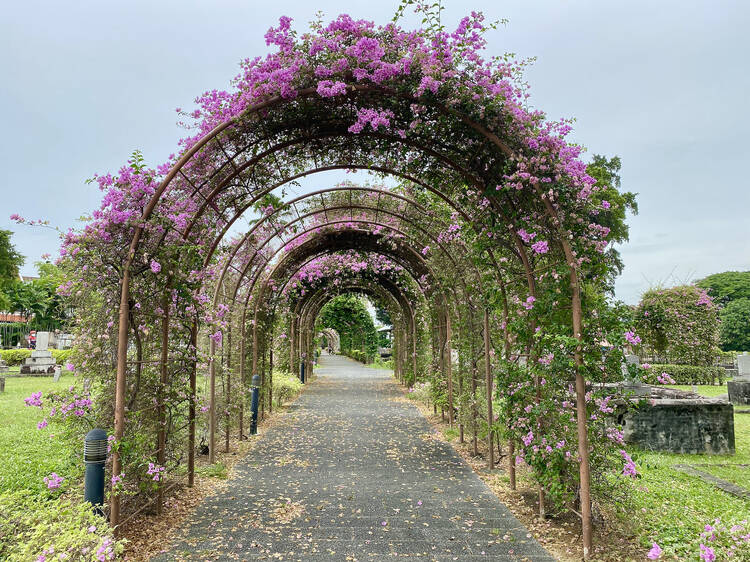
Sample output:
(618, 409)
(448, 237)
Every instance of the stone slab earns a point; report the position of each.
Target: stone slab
(739, 392)
(42, 341)
(682, 426)
(743, 367)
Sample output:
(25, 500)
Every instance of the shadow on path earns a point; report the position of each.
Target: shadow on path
(353, 473)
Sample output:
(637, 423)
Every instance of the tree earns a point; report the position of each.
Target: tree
(728, 286)
(735, 326)
(10, 261)
(613, 206)
(732, 290)
(348, 315)
(38, 298)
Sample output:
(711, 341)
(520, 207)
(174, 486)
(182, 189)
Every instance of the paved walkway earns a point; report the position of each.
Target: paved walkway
(352, 472)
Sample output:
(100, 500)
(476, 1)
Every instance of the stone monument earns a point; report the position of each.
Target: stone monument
(630, 384)
(3, 370)
(739, 387)
(41, 361)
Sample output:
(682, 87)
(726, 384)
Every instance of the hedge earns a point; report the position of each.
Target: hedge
(360, 356)
(14, 357)
(686, 374)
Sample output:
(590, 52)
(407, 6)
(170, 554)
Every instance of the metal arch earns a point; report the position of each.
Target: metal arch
(576, 305)
(325, 209)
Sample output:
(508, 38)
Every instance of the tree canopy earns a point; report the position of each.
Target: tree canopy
(10, 261)
(731, 289)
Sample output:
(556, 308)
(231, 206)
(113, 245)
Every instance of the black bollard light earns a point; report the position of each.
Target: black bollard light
(254, 405)
(302, 372)
(95, 456)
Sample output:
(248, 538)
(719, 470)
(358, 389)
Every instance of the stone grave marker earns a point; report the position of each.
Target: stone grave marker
(41, 361)
(739, 387)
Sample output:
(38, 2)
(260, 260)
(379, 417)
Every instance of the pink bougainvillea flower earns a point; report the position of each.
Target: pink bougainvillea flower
(655, 552)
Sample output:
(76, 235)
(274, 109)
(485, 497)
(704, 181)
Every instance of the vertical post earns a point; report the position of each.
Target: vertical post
(161, 431)
(474, 409)
(254, 406)
(506, 344)
(122, 360)
(488, 381)
(583, 447)
(228, 399)
(191, 408)
(270, 380)
(212, 403)
(414, 345)
(292, 348)
(262, 406)
(448, 365)
(461, 370)
(242, 378)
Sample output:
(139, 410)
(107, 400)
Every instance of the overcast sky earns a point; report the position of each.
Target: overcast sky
(664, 85)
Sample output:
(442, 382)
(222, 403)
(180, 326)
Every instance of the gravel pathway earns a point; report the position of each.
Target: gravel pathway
(352, 471)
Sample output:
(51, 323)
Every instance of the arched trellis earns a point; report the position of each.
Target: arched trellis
(473, 154)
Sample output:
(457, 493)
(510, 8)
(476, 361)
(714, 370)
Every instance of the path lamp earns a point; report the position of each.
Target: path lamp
(95, 456)
(254, 404)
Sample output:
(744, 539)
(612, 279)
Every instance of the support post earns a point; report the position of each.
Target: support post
(122, 360)
(270, 380)
(162, 432)
(241, 419)
(488, 381)
(228, 396)
(449, 366)
(254, 405)
(292, 348)
(191, 408)
(212, 404)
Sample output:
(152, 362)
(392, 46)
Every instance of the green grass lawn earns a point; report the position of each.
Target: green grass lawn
(672, 508)
(28, 454)
(703, 389)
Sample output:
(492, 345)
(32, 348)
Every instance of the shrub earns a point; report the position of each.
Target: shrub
(33, 527)
(685, 374)
(421, 392)
(61, 355)
(681, 323)
(15, 356)
(285, 387)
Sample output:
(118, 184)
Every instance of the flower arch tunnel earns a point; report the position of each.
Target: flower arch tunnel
(478, 235)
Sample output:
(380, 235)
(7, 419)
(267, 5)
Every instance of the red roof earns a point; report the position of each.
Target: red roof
(12, 318)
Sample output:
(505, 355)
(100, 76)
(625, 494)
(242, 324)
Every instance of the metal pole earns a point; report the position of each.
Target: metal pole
(488, 382)
(583, 448)
(270, 380)
(161, 431)
(292, 349)
(122, 358)
(254, 406)
(191, 409)
(242, 379)
(448, 365)
(212, 404)
(228, 400)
